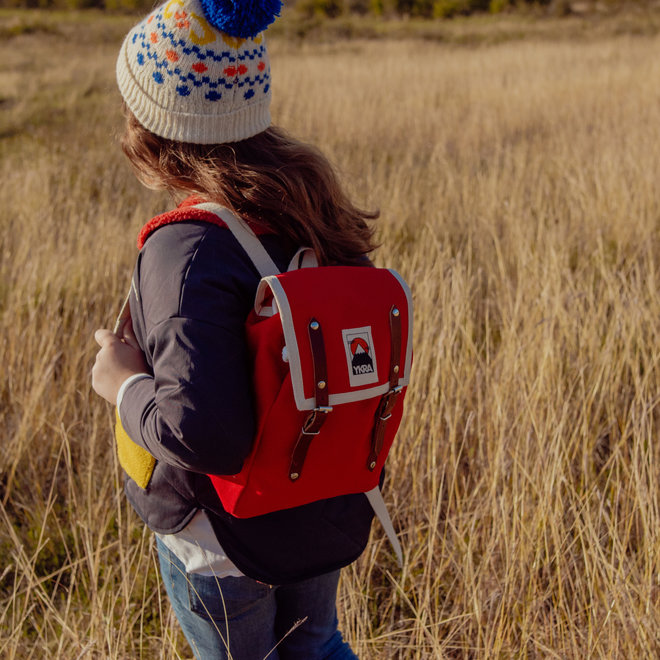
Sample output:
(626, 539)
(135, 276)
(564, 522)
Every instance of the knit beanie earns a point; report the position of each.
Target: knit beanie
(198, 71)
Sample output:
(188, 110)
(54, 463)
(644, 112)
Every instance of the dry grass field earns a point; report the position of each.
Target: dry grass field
(518, 186)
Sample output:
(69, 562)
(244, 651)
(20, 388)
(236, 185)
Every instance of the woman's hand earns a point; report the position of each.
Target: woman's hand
(119, 358)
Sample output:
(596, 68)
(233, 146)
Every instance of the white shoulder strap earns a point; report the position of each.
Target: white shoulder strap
(246, 237)
(377, 502)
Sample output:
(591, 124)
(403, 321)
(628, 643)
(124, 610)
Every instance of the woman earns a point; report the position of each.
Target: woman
(195, 79)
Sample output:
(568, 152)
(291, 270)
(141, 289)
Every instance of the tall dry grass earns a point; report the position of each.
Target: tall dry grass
(518, 190)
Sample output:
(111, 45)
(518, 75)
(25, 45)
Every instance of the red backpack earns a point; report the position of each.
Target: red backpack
(332, 354)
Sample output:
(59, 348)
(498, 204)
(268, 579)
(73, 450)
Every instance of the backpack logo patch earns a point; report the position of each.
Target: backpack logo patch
(360, 356)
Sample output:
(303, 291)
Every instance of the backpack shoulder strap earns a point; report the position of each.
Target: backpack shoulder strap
(377, 502)
(246, 238)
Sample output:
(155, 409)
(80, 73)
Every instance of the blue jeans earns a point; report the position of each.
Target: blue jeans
(239, 618)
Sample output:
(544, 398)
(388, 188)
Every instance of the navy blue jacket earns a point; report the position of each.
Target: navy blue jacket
(193, 288)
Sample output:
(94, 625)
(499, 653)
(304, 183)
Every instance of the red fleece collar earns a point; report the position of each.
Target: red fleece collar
(186, 212)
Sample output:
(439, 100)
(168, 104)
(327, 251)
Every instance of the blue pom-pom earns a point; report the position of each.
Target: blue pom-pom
(241, 18)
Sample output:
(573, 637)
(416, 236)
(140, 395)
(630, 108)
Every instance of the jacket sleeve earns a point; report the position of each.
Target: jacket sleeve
(195, 289)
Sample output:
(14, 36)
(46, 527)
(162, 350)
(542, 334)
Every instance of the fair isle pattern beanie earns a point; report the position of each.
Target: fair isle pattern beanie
(198, 71)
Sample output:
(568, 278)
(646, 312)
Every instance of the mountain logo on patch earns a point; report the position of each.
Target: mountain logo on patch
(360, 356)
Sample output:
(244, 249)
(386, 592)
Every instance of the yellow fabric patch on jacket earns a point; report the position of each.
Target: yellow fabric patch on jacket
(137, 462)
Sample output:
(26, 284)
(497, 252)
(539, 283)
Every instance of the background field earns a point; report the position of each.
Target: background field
(517, 175)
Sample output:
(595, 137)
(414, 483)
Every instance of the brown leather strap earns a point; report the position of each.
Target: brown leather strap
(320, 364)
(395, 346)
(317, 417)
(388, 400)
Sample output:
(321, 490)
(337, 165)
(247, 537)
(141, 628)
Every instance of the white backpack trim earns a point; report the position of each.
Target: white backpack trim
(304, 258)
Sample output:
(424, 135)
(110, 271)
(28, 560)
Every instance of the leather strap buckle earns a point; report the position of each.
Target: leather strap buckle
(317, 416)
(387, 403)
(314, 421)
(324, 409)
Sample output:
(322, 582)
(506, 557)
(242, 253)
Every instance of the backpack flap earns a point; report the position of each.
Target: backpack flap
(353, 306)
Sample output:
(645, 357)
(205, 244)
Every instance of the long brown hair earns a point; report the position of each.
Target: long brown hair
(272, 179)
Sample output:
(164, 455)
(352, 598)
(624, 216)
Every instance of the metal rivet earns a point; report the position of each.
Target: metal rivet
(395, 312)
(321, 384)
(314, 325)
(294, 475)
(372, 465)
(396, 369)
